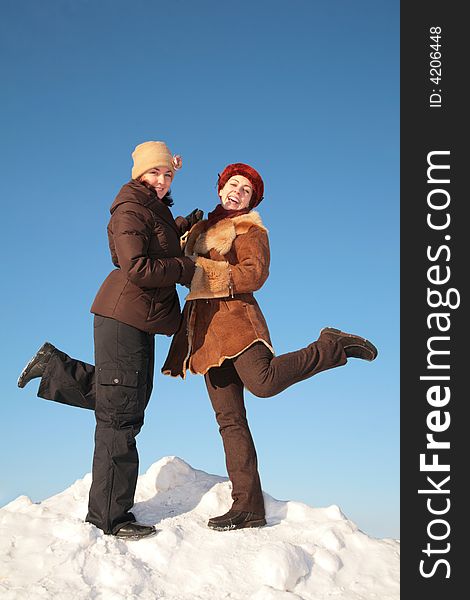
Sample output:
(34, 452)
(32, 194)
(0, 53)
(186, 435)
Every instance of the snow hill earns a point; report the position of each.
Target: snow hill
(48, 552)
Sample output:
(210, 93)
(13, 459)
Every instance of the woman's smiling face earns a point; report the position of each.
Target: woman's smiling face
(236, 193)
(159, 178)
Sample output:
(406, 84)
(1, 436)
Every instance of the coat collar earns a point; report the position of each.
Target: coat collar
(220, 236)
(136, 192)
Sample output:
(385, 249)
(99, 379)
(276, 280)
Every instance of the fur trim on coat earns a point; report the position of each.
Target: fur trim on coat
(221, 318)
(213, 278)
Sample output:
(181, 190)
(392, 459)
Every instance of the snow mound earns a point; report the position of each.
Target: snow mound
(47, 551)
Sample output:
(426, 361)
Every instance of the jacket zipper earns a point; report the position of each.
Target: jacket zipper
(189, 337)
(230, 283)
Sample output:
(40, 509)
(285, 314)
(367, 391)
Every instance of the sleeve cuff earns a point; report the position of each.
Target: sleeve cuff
(211, 279)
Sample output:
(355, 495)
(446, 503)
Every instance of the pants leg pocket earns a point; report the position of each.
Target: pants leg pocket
(98, 321)
(123, 392)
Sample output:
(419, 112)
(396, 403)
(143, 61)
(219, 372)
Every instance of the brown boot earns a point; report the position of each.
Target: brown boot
(236, 519)
(354, 346)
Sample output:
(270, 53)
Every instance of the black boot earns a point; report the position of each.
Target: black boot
(354, 345)
(236, 519)
(135, 531)
(37, 365)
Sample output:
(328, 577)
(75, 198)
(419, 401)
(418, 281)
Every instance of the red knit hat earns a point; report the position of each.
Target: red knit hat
(249, 173)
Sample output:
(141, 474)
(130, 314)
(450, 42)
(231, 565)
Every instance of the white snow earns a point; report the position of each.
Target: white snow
(47, 551)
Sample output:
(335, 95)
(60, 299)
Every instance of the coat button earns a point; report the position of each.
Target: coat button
(115, 380)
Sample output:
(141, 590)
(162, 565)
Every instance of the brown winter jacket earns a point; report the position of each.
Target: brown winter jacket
(144, 241)
(221, 318)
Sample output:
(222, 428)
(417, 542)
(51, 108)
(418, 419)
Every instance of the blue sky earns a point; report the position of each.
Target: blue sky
(308, 93)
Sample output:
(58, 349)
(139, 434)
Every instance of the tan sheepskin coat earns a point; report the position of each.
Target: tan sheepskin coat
(221, 318)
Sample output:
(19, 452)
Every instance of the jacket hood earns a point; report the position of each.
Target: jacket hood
(136, 192)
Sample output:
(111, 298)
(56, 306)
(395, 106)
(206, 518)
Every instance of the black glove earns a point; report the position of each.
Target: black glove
(194, 217)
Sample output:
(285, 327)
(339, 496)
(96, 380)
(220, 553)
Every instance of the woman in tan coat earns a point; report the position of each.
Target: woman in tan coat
(224, 335)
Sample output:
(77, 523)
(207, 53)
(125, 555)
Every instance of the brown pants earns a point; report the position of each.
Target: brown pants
(264, 376)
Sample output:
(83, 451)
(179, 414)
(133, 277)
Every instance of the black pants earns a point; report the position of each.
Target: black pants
(264, 375)
(118, 389)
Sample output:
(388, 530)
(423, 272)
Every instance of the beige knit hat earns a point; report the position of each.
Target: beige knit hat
(153, 154)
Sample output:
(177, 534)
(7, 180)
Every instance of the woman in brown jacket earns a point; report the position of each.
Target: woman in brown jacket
(224, 335)
(137, 300)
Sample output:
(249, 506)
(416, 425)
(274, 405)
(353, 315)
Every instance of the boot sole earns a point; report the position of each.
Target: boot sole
(367, 343)
(247, 525)
(135, 537)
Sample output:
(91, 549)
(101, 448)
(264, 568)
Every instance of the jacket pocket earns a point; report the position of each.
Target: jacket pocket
(164, 303)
